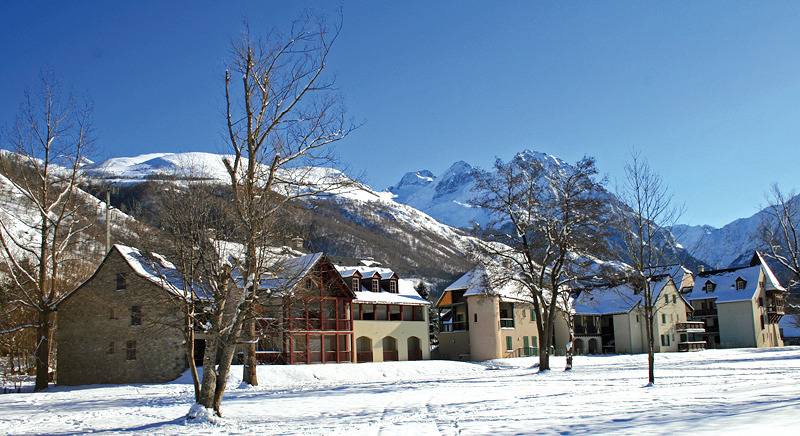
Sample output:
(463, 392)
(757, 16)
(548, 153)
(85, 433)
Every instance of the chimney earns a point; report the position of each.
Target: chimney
(702, 268)
(297, 243)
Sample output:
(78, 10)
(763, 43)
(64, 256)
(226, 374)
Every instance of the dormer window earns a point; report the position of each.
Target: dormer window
(122, 282)
(356, 284)
(376, 285)
(740, 284)
(709, 286)
(393, 286)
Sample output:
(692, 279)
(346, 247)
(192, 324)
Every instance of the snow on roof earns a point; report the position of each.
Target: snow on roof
(725, 284)
(406, 294)
(288, 272)
(365, 271)
(157, 269)
(478, 282)
(610, 300)
(772, 283)
(676, 271)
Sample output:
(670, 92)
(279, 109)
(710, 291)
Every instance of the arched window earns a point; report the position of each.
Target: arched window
(577, 347)
(363, 349)
(389, 349)
(593, 348)
(414, 349)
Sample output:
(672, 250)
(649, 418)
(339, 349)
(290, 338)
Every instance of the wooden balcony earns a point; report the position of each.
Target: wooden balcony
(691, 327)
(692, 346)
(775, 312)
(584, 330)
(453, 327)
(704, 312)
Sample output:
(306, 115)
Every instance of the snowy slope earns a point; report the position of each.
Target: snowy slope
(720, 247)
(449, 197)
(742, 391)
(371, 216)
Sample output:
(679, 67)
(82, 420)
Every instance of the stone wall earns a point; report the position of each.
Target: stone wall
(94, 327)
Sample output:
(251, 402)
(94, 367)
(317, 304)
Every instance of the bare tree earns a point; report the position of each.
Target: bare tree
(554, 216)
(49, 137)
(778, 233)
(644, 218)
(281, 119)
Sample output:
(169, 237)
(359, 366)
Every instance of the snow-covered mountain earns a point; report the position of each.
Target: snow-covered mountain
(449, 197)
(353, 223)
(724, 246)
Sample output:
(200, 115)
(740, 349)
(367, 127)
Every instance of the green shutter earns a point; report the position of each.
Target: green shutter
(509, 343)
(526, 346)
(533, 315)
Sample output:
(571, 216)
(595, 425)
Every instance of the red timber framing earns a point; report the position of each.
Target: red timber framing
(317, 321)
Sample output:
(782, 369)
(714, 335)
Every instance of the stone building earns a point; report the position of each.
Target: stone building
(123, 324)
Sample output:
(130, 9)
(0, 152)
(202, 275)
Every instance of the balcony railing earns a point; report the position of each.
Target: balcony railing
(507, 323)
(777, 309)
(522, 352)
(453, 327)
(691, 327)
(583, 330)
(691, 346)
(704, 312)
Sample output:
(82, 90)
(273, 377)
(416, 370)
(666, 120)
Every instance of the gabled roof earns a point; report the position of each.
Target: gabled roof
(366, 271)
(152, 267)
(614, 299)
(725, 281)
(287, 273)
(478, 282)
(406, 291)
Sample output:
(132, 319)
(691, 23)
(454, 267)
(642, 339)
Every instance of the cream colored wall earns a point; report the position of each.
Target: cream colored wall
(400, 330)
(484, 341)
(675, 313)
(625, 329)
(523, 327)
(737, 324)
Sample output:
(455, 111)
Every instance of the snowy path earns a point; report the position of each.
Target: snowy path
(711, 391)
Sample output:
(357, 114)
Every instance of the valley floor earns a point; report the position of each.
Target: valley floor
(712, 391)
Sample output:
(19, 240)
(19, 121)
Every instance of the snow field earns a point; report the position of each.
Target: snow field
(730, 391)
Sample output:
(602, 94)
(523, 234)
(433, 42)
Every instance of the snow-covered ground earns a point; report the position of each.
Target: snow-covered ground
(713, 391)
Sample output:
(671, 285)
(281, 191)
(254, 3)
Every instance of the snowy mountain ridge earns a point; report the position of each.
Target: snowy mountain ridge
(449, 196)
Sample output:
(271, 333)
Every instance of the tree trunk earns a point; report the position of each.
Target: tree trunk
(43, 351)
(569, 349)
(208, 387)
(250, 375)
(224, 368)
(192, 365)
(544, 350)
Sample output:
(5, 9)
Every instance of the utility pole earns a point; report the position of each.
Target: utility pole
(108, 219)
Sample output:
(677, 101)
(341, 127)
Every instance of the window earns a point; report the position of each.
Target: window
(394, 313)
(110, 348)
(130, 350)
(709, 287)
(475, 318)
(367, 312)
(637, 318)
(663, 341)
(674, 299)
(355, 284)
(393, 286)
(408, 314)
(663, 318)
(509, 343)
(533, 315)
(376, 285)
(136, 315)
(760, 302)
(740, 284)
(111, 314)
(122, 283)
(419, 315)
(762, 322)
(380, 312)
(356, 311)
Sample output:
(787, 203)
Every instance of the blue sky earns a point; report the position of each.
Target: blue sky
(708, 91)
